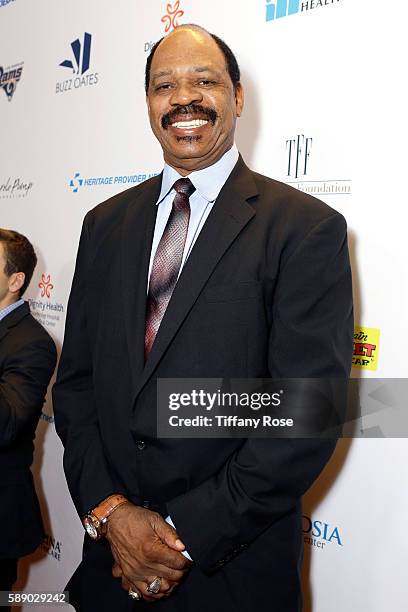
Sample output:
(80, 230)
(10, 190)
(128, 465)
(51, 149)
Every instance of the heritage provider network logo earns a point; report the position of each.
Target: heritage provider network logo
(284, 8)
(78, 182)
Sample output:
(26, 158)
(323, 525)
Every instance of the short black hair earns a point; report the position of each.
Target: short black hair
(19, 255)
(230, 59)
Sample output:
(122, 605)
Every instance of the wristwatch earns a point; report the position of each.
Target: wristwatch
(95, 521)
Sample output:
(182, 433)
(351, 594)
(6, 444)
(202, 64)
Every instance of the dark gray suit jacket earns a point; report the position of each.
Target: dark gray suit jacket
(265, 292)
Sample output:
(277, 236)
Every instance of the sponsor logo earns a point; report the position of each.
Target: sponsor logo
(9, 77)
(52, 547)
(82, 60)
(46, 285)
(366, 343)
(80, 65)
(320, 534)
(46, 311)
(298, 165)
(283, 8)
(173, 13)
(170, 21)
(77, 182)
(299, 150)
(4, 2)
(15, 187)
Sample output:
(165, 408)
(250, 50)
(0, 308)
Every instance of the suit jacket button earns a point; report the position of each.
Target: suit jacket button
(141, 445)
(146, 504)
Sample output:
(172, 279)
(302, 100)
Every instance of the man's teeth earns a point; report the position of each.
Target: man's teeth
(195, 123)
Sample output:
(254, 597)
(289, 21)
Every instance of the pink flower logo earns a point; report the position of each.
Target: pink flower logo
(45, 285)
(173, 13)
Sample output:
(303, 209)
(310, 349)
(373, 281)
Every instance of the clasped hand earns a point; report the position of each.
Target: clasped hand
(145, 546)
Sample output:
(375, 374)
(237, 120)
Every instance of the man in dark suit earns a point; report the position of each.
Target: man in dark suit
(208, 270)
(27, 361)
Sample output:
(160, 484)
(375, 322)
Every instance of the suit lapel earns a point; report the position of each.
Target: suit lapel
(137, 235)
(230, 214)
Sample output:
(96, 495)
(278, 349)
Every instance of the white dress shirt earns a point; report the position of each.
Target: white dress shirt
(208, 183)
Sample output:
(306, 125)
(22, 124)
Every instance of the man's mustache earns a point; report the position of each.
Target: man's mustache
(190, 109)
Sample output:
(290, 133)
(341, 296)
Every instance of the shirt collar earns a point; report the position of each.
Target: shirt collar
(208, 181)
(8, 309)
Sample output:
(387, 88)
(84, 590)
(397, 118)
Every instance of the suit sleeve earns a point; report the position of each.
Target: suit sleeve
(311, 336)
(23, 386)
(75, 413)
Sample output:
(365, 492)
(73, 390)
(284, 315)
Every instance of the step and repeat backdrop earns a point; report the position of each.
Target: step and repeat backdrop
(324, 109)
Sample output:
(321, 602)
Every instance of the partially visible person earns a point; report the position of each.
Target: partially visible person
(27, 361)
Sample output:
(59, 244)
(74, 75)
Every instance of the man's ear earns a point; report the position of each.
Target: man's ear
(239, 98)
(16, 281)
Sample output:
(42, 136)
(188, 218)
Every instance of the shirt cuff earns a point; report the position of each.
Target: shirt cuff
(183, 552)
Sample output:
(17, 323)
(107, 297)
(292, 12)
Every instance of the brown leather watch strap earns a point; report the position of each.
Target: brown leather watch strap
(107, 506)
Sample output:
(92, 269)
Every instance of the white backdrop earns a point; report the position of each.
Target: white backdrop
(325, 104)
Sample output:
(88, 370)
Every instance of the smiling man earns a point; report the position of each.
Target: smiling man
(208, 270)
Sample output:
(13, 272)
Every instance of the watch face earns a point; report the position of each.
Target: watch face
(90, 528)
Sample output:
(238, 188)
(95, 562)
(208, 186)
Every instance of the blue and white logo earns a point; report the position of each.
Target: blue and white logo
(82, 55)
(319, 533)
(126, 180)
(281, 8)
(76, 182)
(79, 64)
(277, 9)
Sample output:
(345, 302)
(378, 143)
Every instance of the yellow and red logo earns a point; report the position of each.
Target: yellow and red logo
(366, 343)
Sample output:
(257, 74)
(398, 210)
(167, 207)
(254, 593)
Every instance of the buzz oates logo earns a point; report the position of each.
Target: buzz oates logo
(320, 534)
(44, 308)
(9, 77)
(52, 547)
(299, 152)
(283, 8)
(15, 187)
(78, 64)
(170, 20)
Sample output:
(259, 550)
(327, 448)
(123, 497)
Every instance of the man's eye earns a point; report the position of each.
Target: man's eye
(163, 86)
(206, 82)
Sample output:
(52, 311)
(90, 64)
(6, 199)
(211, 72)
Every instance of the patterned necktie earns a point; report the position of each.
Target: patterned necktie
(167, 260)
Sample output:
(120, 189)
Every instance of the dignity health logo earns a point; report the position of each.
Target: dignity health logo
(283, 8)
(79, 64)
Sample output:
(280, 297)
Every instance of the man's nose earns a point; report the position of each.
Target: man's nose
(185, 94)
